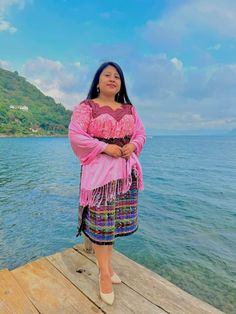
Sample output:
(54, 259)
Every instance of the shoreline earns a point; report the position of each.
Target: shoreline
(32, 135)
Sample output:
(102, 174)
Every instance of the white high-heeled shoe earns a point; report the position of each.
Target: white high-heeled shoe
(106, 297)
(114, 278)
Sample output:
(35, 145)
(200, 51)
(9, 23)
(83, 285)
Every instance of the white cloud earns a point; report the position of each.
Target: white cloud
(5, 65)
(214, 81)
(177, 63)
(77, 64)
(46, 64)
(6, 26)
(171, 96)
(157, 76)
(64, 82)
(5, 6)
(216, 17)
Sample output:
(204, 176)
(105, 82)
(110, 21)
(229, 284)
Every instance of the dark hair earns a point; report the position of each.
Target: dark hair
(93, 93)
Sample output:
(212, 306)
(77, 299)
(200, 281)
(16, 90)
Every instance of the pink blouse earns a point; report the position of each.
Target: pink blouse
(104, 176)
(103, 121)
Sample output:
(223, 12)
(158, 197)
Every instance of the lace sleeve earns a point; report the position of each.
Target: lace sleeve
(82, 114)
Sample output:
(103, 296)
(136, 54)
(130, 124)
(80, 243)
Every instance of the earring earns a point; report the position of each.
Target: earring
(98, 90)
(118, 95)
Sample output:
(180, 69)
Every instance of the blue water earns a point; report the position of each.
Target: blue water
(187, 212)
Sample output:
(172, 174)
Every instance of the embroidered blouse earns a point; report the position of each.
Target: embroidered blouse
(103, 121)
(102, 175)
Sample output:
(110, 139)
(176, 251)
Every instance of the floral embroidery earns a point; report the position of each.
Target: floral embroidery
(102, 122)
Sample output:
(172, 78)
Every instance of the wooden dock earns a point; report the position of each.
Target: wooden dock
(67, 282)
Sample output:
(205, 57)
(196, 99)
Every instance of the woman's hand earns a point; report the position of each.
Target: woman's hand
(113, 150)
(128, 150)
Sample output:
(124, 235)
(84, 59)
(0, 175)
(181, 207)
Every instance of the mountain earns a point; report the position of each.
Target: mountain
(190, 132)
(25, 110)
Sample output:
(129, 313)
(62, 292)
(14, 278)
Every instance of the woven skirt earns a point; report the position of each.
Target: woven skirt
(115, 219)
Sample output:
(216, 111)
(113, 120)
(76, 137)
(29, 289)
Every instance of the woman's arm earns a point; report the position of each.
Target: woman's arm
(85, 147)
(139, 136)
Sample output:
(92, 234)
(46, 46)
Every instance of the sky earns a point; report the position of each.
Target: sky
(178, 57)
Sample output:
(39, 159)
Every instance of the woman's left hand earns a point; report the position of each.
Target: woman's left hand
(128, 150)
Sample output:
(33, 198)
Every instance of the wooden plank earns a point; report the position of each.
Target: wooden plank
(153, 287)
(126, 300)
(50, 291)
(12, 297)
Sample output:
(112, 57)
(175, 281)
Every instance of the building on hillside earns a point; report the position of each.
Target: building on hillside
(25, 108)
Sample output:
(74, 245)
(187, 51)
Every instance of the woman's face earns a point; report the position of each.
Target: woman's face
(109, 81)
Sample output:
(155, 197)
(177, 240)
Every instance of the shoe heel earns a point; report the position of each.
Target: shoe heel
(114, 278)
(106, 297)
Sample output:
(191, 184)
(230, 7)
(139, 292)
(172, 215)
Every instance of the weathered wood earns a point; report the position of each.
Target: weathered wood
(50, 291)
(126, 300)
(12, 297)
(153, 287)
(67, 282)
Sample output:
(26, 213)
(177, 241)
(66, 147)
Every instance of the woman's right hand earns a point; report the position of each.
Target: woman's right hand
(113, 150)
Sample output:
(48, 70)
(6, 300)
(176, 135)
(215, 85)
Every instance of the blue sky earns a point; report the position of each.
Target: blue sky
(178, 57)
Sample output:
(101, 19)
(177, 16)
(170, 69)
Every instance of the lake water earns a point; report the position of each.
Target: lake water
(187, 212)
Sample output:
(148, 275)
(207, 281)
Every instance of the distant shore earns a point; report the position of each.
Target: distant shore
(33, 135)
(149, 135)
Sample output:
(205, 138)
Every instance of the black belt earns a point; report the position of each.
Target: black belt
(120, 141)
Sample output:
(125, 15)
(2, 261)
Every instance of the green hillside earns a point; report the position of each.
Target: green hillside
(25, 110)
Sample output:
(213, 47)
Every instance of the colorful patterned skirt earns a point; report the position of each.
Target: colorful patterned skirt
(115, 219)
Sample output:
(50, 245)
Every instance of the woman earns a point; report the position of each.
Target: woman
(107, 136)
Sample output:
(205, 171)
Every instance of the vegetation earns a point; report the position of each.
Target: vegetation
(25, 110)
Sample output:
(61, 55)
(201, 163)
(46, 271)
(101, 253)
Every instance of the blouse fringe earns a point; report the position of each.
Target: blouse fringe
(107, 192)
